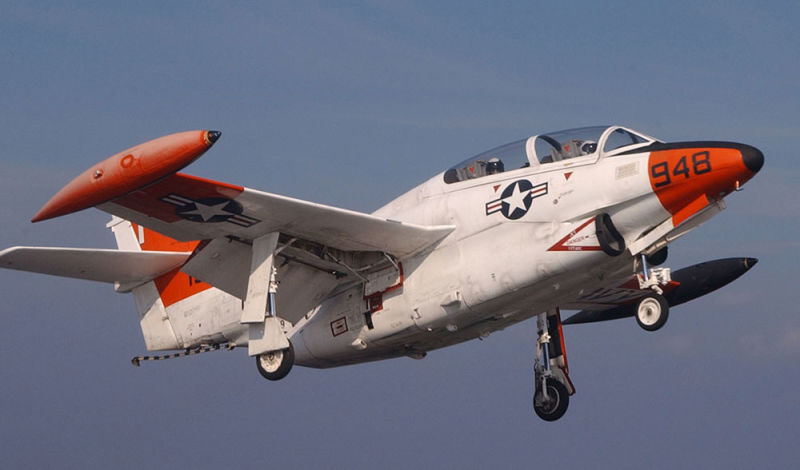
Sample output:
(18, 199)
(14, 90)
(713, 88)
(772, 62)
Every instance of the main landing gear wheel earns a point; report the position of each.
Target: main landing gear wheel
(275, 365)
(555, 405)
(652, 312)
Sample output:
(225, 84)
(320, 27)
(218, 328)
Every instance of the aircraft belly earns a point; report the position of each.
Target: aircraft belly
(211, 316)
(550, 292)
(516, 257)
(433, 288)
(335, 323)
(338, 332)
(394, 337)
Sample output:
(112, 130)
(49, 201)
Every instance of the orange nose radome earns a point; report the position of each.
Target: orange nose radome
(127, 171)
(688, 176)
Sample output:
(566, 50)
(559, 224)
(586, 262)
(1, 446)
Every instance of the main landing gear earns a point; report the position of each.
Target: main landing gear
(550, 401)
(275, 365)
(267, 340)
(551, 379)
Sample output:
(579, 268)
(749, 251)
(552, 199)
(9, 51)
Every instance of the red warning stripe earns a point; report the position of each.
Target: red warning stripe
(562, 246)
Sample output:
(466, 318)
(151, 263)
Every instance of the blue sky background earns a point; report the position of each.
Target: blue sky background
(351, 104)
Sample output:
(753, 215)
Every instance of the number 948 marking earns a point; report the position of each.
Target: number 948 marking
(662, 174)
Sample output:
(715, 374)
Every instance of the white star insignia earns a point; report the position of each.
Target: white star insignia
(207, 212)
(517, 199)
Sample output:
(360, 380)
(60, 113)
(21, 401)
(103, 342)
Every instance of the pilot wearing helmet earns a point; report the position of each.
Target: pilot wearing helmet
(588, 147)
(494, 165)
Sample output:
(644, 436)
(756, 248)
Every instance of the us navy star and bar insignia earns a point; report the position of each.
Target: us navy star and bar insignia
(210, 210)
(516, 199)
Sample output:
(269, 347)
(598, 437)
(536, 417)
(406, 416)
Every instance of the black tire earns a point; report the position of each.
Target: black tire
(657, 258)
(276, 365)
(652, 312)
(557, 403)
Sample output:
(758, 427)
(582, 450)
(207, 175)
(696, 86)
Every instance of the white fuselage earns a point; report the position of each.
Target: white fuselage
(491, 271)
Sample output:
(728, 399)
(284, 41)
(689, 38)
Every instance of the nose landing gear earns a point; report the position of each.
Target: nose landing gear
(551, 379)
(652, 310)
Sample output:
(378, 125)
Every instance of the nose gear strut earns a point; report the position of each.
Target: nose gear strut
(652, 310)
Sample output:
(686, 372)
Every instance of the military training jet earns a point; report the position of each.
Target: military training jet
(570, 220)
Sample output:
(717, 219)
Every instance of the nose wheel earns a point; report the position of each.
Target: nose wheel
(652, 311)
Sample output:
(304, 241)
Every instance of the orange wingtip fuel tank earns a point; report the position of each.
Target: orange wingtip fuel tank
(127, 171)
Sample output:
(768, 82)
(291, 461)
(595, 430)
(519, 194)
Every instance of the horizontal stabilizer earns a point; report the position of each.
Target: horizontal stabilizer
(124, 267)
(694, 281)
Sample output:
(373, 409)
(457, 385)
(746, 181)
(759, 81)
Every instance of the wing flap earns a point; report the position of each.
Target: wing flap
(225, 264)
(124, 267)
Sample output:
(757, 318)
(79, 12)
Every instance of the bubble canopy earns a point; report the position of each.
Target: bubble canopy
(586, 143)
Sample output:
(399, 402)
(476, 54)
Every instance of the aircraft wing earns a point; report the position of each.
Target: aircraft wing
(228, 217)
(187, 207)
(320, 245)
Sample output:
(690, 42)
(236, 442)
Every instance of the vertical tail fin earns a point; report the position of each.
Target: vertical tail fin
(177, 311)
(153, 298)
(173, 286)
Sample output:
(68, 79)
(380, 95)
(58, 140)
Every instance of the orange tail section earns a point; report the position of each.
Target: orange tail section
(175, 285)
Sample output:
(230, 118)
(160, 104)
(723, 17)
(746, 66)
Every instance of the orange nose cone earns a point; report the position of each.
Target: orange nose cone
(687, 176)
(127, 171)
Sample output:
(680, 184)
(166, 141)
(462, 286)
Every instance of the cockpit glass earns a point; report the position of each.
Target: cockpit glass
(543, 149)
(563, 145)
(498, 160)
(621, 138)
